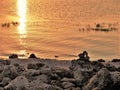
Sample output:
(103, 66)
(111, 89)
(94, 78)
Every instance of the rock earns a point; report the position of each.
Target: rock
(84, 56)
(101, 60)
(55, 83)
(68, 80)
(31, 74)
(13, 56)
(64, 73)
(111, 67)
(54, 77)
(10, 72)
(118, 69)
(1, 88)
(40, 84)
(32, 56)
(1, 68)
(5, 81)
(97, 65)
(35, 66)
(43, 78)
(43, 86)
(66, 85)
(20, 69)
(16, 64)
(116, 60)
(5, 62)
(73, 88)
(82, 70)
(46, 70)
(101, 81)
(19, 83)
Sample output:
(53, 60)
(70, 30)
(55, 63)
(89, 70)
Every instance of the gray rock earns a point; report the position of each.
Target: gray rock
(66, 85)
(101, 81)
(30, 74)
(5, 81)
(73, 88)
(35, 66)
(10, 72)
(19, 83)
(1, 88)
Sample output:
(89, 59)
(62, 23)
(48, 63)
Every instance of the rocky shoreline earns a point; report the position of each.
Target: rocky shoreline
(45, 74)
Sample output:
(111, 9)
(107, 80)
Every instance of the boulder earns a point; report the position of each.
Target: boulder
(10, 72)
(19, 83)
(101, 81)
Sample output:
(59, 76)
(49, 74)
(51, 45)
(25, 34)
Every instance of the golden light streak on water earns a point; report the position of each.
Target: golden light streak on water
(21, 6)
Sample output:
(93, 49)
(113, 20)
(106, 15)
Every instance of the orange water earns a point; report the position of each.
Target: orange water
(51, 27)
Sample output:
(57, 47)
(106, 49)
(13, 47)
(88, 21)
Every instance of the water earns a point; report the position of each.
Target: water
(52, 27)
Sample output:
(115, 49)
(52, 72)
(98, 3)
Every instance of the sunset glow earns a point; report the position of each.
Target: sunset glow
(21, 4)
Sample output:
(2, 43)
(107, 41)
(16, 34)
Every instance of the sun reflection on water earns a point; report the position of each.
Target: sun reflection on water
(22, 14)
(21, 5)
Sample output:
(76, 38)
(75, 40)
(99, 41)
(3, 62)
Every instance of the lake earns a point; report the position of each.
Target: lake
(61, 28)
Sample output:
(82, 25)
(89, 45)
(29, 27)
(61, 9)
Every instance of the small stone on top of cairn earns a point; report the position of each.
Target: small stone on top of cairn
(84, 56)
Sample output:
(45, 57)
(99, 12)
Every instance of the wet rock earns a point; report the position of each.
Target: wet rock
(13, 56)
(35, 66)
(19, 83)
(101, 81)
(32, 56)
